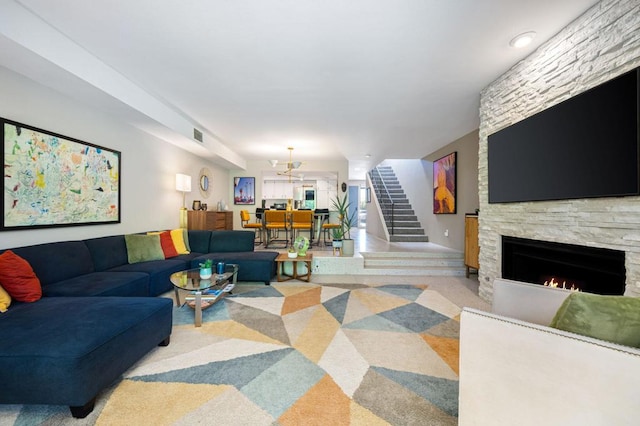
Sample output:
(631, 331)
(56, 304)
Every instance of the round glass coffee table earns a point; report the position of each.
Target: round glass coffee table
(203, 293)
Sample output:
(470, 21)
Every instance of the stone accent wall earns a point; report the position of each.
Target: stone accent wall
(601, 44)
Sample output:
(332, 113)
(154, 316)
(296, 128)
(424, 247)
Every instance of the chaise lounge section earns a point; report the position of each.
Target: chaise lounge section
(66, 350)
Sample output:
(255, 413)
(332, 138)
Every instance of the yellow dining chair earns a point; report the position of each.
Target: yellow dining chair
(245, 220)
(274, 222)
(302, 220)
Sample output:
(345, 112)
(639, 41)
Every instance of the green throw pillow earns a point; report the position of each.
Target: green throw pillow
(612, 318)
(141, 248)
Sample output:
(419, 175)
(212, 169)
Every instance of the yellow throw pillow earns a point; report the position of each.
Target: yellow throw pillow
(5, 300)
(178, 237)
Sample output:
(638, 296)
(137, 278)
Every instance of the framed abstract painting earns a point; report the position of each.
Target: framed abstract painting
(444, 184)
(244, 190)
(51, 180)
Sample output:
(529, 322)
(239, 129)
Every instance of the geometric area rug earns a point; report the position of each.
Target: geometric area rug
(291, 354)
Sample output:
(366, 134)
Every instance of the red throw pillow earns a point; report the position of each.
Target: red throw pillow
(18, 279)
(166, 242)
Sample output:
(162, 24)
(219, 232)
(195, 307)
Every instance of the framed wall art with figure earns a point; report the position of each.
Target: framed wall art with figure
(444, 184)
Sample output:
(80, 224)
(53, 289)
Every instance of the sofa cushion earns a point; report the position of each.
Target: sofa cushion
(53, 262)
(102, 284)
(231, 241)
(199, 241)
(188, 257)
(18, 279)
(159, 272)
(143, 248)
(252, 266)
(76, 346)
(108, 252)
(5, 300)
(612, 318)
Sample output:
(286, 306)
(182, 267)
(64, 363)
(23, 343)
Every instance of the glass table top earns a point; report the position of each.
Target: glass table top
(190, 278)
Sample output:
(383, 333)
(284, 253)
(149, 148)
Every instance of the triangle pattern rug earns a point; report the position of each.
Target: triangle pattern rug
(293, 354)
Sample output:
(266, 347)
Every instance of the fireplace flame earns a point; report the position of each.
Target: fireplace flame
(556, 284)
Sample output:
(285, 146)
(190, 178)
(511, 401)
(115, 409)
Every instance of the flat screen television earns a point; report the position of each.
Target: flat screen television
(584, 147)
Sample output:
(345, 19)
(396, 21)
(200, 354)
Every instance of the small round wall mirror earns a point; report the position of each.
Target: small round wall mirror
(205, 182)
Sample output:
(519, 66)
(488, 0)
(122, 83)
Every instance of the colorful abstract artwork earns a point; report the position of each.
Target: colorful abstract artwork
(244, 190)
(444, 184)
(53, 180)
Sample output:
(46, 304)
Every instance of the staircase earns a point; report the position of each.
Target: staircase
(402, 223)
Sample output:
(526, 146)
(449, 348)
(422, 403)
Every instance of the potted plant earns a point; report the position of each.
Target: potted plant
(341, 205)
(205, 269)
(336, 240)
(292, 253)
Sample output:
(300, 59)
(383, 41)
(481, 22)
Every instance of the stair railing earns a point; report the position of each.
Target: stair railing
(384, 196)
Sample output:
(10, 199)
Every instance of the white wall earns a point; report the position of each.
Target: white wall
(148, 196)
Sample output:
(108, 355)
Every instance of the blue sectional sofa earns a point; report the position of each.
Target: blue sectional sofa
(98, 316)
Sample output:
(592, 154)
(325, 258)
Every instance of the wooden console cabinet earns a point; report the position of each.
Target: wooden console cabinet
(209, 220)
(471, 246)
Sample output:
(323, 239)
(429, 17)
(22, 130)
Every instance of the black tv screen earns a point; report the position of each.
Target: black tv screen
(584, 147)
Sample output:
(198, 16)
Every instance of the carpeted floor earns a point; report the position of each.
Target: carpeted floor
(291, 354)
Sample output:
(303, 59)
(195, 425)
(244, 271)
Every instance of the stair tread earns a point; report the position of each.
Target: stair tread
(405, 224)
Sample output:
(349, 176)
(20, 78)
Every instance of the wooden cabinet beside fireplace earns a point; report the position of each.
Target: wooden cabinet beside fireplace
(209, 220)
(471, 246)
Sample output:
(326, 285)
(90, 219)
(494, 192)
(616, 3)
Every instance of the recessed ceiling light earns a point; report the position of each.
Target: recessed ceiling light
(522, 40)
(367, 156)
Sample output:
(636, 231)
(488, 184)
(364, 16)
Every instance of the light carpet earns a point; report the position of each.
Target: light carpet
(291, 354)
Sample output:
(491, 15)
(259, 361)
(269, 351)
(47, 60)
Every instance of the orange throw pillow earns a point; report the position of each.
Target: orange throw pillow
(18, 279)
(166, 242)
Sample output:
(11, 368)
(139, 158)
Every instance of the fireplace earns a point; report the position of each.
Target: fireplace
(594, 270)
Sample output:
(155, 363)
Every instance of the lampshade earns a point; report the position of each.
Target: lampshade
(273, 163)
(183, 182)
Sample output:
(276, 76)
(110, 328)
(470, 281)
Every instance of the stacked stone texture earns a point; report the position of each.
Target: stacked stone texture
(601, 44)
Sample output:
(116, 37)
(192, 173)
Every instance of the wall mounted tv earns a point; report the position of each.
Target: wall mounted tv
(584, 147)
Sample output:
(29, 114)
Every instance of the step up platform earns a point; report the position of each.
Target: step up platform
(434, 262)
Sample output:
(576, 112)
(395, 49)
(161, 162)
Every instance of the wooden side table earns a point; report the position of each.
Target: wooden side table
(284, 257)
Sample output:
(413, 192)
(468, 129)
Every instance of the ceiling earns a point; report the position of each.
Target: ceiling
(333, 78)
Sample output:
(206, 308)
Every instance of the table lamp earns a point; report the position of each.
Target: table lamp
(183, 184)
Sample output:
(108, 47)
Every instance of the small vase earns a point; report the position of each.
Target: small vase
(205, 273)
